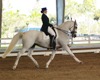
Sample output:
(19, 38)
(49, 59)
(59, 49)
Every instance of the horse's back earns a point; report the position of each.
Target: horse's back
(32, 34)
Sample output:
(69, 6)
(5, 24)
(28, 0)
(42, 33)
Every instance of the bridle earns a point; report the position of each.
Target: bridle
(73, 32)
(64, 31)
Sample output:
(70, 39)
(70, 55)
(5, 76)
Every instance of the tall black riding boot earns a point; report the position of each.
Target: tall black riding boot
(52, 42)
(51, 37)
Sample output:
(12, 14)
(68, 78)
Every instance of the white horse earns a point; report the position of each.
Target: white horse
(32, 38)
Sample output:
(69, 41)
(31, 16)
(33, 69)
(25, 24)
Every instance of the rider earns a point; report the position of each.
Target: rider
(47, 28)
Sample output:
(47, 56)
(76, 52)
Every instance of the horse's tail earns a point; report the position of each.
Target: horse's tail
(12, 44)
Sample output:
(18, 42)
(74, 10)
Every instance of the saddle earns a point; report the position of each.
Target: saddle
(45, 37)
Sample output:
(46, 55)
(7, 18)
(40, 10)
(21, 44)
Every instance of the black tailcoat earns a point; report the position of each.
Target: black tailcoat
(46, 24)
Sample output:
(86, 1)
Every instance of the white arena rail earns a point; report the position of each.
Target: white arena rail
(80, 44)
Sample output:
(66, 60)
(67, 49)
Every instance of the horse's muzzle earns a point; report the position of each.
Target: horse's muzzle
(73, 33)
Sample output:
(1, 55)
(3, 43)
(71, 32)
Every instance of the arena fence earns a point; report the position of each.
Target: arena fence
(80, 44)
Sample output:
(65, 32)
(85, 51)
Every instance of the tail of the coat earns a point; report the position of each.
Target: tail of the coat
(12, 44)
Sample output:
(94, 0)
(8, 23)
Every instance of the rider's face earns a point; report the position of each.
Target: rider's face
(45, 11)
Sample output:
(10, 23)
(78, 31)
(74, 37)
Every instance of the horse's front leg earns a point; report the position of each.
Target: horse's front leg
(51, 58)
(71, 54)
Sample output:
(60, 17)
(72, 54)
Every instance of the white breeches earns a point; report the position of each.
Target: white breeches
(50, 30)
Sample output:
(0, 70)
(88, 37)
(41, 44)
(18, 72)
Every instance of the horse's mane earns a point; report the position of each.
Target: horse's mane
(65, 24)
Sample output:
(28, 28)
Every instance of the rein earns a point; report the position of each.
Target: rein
(64, 31)
(73, 32)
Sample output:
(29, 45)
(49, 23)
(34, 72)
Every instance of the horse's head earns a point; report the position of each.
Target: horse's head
(73, 29)
(69, 26)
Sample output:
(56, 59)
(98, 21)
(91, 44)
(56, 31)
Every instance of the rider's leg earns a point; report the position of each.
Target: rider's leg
(50, 30)
(52, 37)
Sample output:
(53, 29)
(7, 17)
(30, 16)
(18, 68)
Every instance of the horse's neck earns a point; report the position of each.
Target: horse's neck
(64, 26)
(63, 37)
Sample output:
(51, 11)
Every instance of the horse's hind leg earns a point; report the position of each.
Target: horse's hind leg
(30, 56)
(51, 58)
(18, 57)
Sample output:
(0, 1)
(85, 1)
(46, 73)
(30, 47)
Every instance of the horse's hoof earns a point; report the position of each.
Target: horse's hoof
(80, 62)
(14, 68)
(47, 67)
(37, 66)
